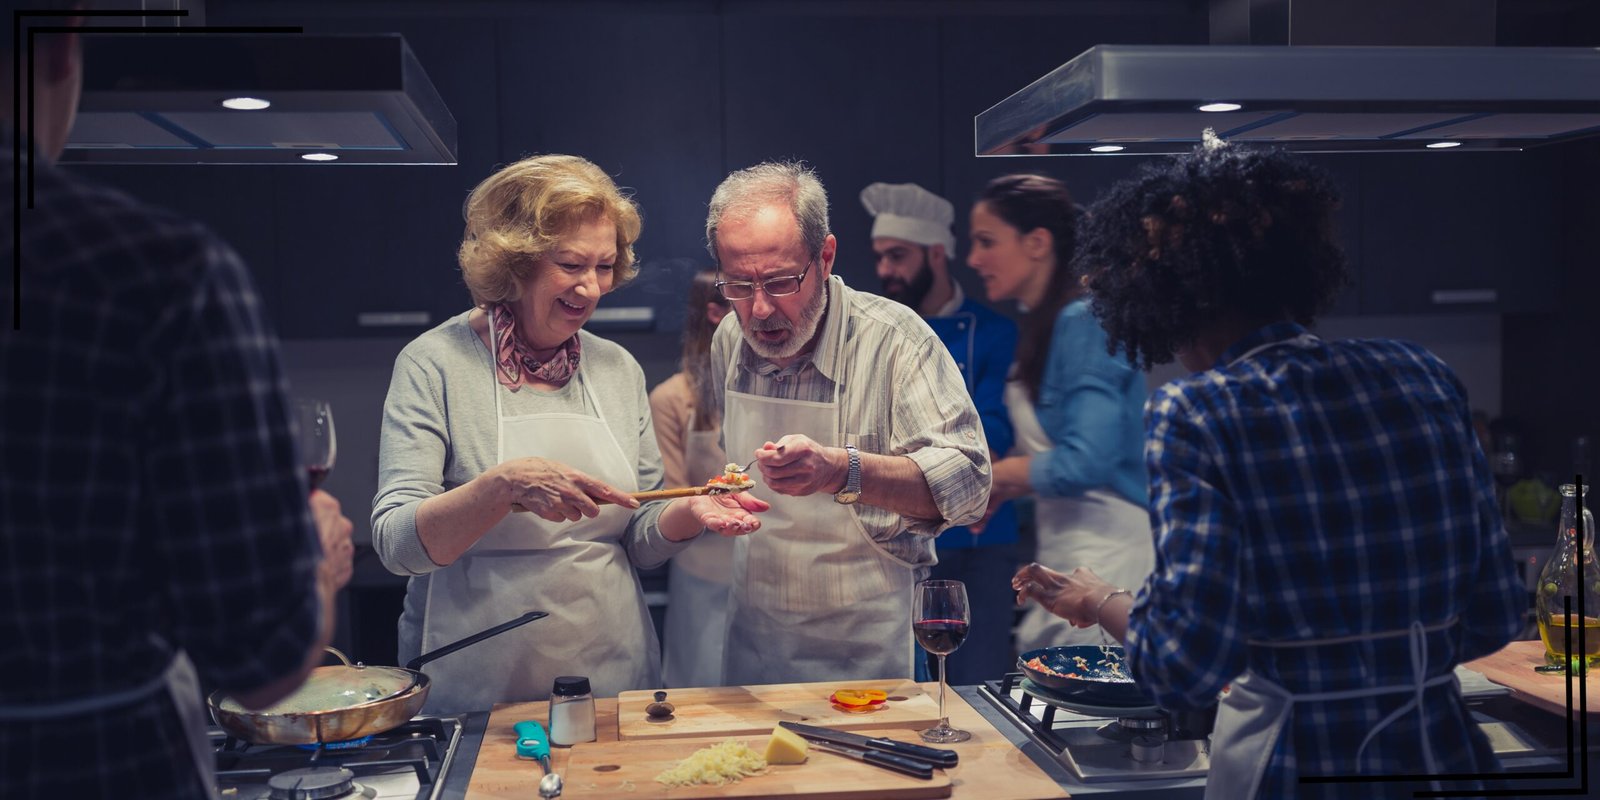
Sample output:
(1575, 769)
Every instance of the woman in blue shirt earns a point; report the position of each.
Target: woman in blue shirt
(1077, 410)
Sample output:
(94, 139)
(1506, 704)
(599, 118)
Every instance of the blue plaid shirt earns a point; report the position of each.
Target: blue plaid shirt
(150, 497)
(1317, 489)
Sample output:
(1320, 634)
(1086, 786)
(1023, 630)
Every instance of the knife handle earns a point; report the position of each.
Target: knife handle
(900, 764)
(932, 755)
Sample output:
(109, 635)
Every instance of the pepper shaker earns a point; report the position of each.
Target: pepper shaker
(571, 711)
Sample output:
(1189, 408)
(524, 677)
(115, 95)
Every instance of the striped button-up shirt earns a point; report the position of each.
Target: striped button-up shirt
(150, 496)
(900, 394)
(1310, 490)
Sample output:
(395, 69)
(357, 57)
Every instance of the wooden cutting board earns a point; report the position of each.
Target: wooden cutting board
(1512, 667)
(991, 767)
(751, 710)
(629, 769)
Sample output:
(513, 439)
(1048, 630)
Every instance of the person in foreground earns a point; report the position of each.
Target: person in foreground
(862, 429)
(153, 512)
(1076, 408)
(1328, 542)
(914, 247)
(503, 431)
(689, 431)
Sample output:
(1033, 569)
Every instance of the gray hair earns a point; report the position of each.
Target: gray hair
(753, 188)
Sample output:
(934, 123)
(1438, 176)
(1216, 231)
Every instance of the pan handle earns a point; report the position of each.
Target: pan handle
(417, 662)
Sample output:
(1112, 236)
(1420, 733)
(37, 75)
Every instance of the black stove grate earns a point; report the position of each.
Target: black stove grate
(421, 745)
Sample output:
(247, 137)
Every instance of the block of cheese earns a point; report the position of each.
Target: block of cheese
(785, 747)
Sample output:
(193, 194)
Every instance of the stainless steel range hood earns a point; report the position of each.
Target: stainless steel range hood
(1147, 99)
(157, 98)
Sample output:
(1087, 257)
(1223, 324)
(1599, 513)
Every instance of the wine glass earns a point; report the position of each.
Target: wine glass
(939, 618)
(314, 438)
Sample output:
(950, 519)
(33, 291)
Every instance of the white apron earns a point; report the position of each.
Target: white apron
(1100, 530)
(1255, 710)
(814, 598)
(697, 586)
(577, 571)
(179, 680)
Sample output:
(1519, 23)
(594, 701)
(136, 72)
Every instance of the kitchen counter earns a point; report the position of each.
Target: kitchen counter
(1542, 749)
(476, 723)
(988, 754)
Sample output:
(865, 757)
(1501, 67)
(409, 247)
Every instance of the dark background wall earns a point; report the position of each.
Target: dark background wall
(669, 95)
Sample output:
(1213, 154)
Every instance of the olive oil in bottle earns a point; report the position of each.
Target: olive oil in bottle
(1571, 572)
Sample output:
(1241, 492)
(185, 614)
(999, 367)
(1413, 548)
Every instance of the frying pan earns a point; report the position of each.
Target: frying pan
(1095, 682)
(343, 702)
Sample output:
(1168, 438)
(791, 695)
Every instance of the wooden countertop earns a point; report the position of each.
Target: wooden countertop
(1512, 667)
(991, 767)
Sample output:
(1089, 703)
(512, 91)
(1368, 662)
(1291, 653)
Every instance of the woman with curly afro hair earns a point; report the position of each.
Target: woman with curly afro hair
(1327, 542)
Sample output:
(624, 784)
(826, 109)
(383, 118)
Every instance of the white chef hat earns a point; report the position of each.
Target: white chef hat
(908, 211)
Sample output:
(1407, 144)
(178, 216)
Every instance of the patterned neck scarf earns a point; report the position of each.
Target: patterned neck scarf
(515, 364)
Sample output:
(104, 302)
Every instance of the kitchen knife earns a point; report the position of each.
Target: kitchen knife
(900, 764)
(930, 755)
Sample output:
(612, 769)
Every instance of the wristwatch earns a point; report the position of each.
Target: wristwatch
(852, 482)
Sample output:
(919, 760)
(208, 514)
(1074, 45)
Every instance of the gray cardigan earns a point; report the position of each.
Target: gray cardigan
(440, 431)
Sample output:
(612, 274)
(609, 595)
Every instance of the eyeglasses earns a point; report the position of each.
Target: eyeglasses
(773, 287)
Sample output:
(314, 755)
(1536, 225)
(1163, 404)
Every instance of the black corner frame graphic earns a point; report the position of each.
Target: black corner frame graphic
(16, 101)
(1576, 751)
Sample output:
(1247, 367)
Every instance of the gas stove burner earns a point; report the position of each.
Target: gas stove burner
(1096, 742)
(350, 744)
(317, 783)
(1127, 729)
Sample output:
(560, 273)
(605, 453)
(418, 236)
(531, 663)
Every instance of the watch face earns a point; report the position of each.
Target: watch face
(846, 497)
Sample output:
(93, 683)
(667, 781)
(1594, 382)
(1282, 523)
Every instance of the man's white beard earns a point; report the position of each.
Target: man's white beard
(810, 319)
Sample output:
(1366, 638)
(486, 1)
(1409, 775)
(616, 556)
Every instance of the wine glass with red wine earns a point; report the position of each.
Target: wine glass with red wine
(314, 439)
(939, 618)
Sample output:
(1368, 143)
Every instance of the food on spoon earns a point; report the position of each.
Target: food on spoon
(732, 479)
(785, 747)
(718, 764)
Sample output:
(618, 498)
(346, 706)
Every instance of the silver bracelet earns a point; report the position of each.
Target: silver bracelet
(1104, 600)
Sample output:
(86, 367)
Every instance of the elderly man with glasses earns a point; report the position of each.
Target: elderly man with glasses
(866, 441)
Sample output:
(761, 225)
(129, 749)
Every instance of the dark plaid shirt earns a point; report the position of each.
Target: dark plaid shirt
(149, 493)
(1318, 489)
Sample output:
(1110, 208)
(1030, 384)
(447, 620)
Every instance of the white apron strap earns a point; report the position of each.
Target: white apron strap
(1251, 717)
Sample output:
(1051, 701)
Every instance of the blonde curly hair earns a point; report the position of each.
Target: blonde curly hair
(520, 213)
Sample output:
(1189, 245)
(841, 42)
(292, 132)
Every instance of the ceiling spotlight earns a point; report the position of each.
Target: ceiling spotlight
(1220, 107)
(319, 157)
(1106, 148)
(1443, 145)
(246, 103)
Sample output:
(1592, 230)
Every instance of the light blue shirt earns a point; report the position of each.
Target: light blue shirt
(1091, 405)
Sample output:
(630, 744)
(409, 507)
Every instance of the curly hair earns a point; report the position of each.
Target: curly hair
(1221, 231)
(519, 214)
(1027, 203)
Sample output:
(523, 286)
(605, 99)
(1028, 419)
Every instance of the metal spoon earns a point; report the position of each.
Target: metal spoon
(550, 784)
(752, 462)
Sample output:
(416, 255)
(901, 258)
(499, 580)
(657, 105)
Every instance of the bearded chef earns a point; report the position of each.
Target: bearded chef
(914, 246)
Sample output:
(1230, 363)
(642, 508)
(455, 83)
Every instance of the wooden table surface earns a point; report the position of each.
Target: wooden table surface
(991, 767)
(1512, 667)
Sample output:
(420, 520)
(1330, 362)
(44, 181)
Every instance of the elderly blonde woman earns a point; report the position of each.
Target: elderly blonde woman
(504, 429)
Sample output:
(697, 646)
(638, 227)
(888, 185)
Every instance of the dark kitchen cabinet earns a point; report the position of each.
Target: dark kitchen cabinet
(640, 96)
(857, 98)
(370, 250)
(1345, 171)
(1469, 232)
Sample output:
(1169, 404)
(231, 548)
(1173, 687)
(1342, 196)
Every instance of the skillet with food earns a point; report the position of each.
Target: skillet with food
(1090, 673)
